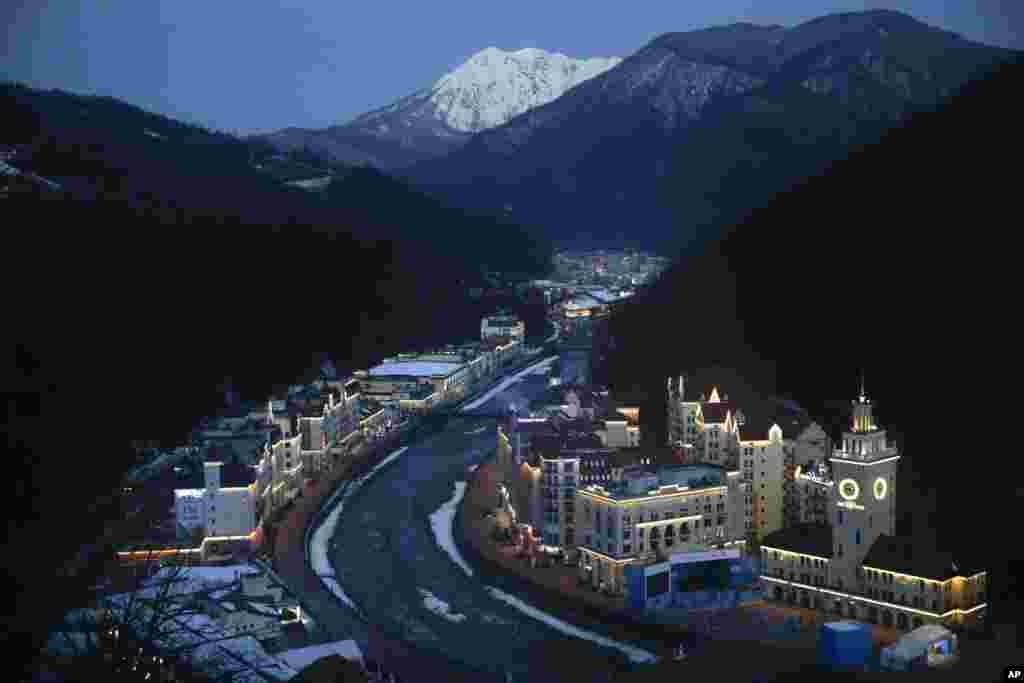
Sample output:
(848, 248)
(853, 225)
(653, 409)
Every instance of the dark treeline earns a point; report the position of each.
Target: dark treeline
(169, 272)
(896, 263)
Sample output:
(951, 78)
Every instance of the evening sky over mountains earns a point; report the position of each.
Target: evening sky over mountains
(248, 67)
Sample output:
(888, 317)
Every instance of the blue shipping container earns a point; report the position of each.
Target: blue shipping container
(844, 645)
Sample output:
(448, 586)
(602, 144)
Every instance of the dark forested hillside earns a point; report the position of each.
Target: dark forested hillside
(174, 264)
(896, 263)
(704, 126)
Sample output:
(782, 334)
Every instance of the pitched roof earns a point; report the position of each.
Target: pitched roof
(714, 413)
(755, 427)
(897, 554)
(808, 538)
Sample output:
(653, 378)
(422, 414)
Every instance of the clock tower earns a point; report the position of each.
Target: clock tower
(864, 496)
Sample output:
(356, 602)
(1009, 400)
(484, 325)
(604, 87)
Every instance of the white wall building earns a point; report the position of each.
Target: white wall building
(761, 463)
(219, 511)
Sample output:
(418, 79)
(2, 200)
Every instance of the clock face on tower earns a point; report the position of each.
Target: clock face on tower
(881, 488)
(849, 489)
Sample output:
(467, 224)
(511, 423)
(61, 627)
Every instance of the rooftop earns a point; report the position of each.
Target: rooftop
(633, 483)
(715, 413)
(902, 555)
(807, 538)
(414, 368)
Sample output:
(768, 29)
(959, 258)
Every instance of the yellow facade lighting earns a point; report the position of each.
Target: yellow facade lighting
(790, 552)
(922, 578)
(859, 598)
(848, 461)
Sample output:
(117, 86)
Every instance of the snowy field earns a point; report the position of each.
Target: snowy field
(323, 534)
(442, 522)
(509, 381)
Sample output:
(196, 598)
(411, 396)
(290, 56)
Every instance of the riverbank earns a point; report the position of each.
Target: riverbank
(333, 620)
(556, 590)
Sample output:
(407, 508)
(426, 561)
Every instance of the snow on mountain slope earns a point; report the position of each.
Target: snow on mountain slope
(488, 90)
(494, 85)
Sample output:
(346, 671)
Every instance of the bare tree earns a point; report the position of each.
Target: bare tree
(147, 623)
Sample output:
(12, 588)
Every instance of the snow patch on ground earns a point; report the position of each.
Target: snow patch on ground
(323, 534)
(507, 382)
(299, 658)
(312, 183)
(634, 653)
(442, 521)
(440, 607)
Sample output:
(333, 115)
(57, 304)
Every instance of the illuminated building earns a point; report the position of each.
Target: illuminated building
(217, 510)
(643, 514)
(854, 565)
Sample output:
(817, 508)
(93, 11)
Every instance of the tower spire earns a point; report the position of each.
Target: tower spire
(862, 394)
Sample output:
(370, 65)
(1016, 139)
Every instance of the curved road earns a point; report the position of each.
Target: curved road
(385, 554)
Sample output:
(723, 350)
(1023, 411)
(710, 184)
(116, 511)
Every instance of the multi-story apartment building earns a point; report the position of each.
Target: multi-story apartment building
(685, 420)
(619, 425)
(806, 450)
(854, 565)
(502, 325)
(645, 513)
(279, 475)
(721, 431)
(544, 460)
(709, 424)
(761, 463)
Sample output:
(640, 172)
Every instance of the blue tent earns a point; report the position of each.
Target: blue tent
(844, 645)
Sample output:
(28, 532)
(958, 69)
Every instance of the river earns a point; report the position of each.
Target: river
(388, 560)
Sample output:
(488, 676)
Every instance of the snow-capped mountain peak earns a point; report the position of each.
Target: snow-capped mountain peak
(495, 85)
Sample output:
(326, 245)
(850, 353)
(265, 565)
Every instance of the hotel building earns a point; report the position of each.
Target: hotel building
(854, 565)
(709, 424)
(644, 514)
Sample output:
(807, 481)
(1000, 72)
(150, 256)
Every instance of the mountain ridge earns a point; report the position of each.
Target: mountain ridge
(561, 164)
(488, 89)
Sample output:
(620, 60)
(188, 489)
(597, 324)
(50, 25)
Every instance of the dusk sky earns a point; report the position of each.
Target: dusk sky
(259, 66)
